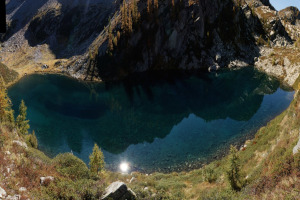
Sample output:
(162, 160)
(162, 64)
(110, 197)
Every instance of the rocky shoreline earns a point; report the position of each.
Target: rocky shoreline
(278, 63)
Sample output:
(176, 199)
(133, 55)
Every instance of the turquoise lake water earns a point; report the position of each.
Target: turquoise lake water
(163, 123)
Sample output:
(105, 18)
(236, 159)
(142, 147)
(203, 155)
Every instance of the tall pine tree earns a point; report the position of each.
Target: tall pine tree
(233, 173)
(129, 21)
(149, 6)
(96, 160)
(155, 4)
(22, 122)
(6, 112)
(135, 12)
(110, 45)
(33, 140)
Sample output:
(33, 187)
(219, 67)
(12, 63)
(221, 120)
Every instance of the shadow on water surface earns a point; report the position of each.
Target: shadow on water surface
(68, 115)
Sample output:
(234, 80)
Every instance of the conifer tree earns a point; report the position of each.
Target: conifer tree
(22, 122)
(123, 16)
(129, 24)
(135, 12)
(115, 41)
(96, 160)
(155, 4)
(118, 35)
(149, 6)
(4, 103)
(6, 112)
(110, 46)
(33, 140)
(233, 173)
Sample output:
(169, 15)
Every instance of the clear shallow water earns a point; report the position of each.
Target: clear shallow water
(164, 123)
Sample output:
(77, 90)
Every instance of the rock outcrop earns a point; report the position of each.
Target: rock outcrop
(296, 148)
(44, 181)
(290, 18)
(20, 143)
(291, 15)
(2, 193)
(118, 191)
(210, 34)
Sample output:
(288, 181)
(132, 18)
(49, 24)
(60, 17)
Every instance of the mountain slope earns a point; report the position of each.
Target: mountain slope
(73, 37)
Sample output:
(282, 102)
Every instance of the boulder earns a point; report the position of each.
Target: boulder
(218, 57)
(15, 197)
(22, 189)
(45, 66)
(290, 14)
(296, 148)
(214, 67)
(132, 179)
(118, 191)
(21, 144)
(2, 193)
(44, 181)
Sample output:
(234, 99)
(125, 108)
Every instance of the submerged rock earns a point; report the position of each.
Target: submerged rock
(118, 191)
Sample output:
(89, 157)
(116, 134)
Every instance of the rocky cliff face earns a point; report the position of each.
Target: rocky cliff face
(203, 35)
(291, 15)
(290, 18)
(72, 37)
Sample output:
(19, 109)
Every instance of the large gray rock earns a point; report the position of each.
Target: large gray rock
(46, 180)
(2, 193)
(296, 148)
(118, 191)
(290, 14)
(15, 197)
(21, 144)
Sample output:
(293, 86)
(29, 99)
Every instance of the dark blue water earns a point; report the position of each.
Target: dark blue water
(161, 123)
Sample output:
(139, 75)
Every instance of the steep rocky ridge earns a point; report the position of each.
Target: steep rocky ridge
(290, 18)
(290, 14)
(283, 60)
(72, 37)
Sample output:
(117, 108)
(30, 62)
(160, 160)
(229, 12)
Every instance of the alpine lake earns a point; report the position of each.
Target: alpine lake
(153, 122)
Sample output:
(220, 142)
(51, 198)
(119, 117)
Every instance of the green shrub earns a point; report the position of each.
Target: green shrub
(67, 189)
(22, 122)
(7, 74)
(32, 140)
(261, 41)
(35, 154)
(69, 165)
(209, 174)
(233, 172)
(297, 43)
(219, 194)
(96, 160)
(297, 161)
(273, 61)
